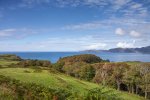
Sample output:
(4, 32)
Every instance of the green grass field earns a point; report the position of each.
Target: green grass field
(47, 79)
(57, 80)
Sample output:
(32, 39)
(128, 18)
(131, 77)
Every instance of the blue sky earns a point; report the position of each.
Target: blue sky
(73, 25)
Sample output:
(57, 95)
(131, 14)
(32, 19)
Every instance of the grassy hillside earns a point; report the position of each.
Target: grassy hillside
(56, 80)
(47, 79)
(51, 79)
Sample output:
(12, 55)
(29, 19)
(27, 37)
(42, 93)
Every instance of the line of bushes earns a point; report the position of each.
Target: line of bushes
(32, 63)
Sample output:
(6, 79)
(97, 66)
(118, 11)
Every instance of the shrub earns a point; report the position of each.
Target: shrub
(52, 70)
(37, 70)
(34, 63)
(1, 66)
(26, 71)
(87, 58)
(101, 94)
(58, 66)
(10, 57)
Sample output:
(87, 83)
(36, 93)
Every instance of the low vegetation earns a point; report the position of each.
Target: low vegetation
(10, 57)
(93, 79)
(78, 89)
(87, 58)
(33, 63)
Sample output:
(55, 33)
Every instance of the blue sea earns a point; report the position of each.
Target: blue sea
(54, 56)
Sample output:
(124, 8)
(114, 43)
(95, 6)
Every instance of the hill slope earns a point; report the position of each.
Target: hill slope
(49, 79)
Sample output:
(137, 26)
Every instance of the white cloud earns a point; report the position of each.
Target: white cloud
(76, 43)
(132, 8)
(99, 3)
(32, 3)
(120, 31)
(132, 33)
(136, 5)
(58, 44)
(121, 2)
(92, 25)
(7, 32)
(125, 8)
(125, 44)
(14, 33)
(118, 4)
(135, 33)
(96, 46)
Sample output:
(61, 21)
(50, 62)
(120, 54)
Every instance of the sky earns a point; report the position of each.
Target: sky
(73, 25)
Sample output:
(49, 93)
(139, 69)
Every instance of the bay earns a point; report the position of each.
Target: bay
(54, 56)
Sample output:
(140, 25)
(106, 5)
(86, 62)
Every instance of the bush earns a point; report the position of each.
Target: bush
(10, 57)
(1, 66)
(37, 70)
(52, 70)
(101, 94)
(87, 58)
(26, 71)
(34, 63)
(58, 66)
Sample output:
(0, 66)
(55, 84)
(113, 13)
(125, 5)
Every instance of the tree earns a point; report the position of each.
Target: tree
(68, 69)
(46, 63)
(118, 73)
(145, 73)
(87, 72)
(58, 66)
(132, 78)
(87, 58)
(37, 63)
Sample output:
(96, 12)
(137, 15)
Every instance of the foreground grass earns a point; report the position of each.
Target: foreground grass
(57, 80)
(47, 79)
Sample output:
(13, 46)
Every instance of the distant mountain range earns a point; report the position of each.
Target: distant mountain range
(145, 50)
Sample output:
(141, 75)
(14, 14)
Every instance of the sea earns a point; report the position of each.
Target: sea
(54, 56)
